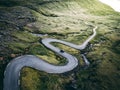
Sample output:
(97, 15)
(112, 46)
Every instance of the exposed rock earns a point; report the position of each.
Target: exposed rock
(13, 55)
(1, 58)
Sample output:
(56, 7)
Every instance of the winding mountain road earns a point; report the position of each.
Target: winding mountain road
(12, 72)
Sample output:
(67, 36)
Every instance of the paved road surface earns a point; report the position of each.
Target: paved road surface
(12, 72)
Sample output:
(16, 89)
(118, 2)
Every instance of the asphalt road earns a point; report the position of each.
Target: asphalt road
(12, 72)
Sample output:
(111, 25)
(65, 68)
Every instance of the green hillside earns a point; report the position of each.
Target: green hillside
(68, 20)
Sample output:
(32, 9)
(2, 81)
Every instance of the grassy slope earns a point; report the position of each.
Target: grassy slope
(66, 20)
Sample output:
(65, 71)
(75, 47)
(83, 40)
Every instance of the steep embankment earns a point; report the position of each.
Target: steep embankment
(66, 20)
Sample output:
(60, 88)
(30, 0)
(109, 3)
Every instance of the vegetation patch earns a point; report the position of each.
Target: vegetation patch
(116, 47)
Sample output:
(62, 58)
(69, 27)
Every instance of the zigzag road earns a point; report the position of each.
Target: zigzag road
(12, 72)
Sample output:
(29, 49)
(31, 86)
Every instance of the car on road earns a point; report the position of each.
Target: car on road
(62, 51)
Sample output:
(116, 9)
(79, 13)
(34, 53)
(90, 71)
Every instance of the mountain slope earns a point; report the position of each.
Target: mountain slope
(68, 20)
